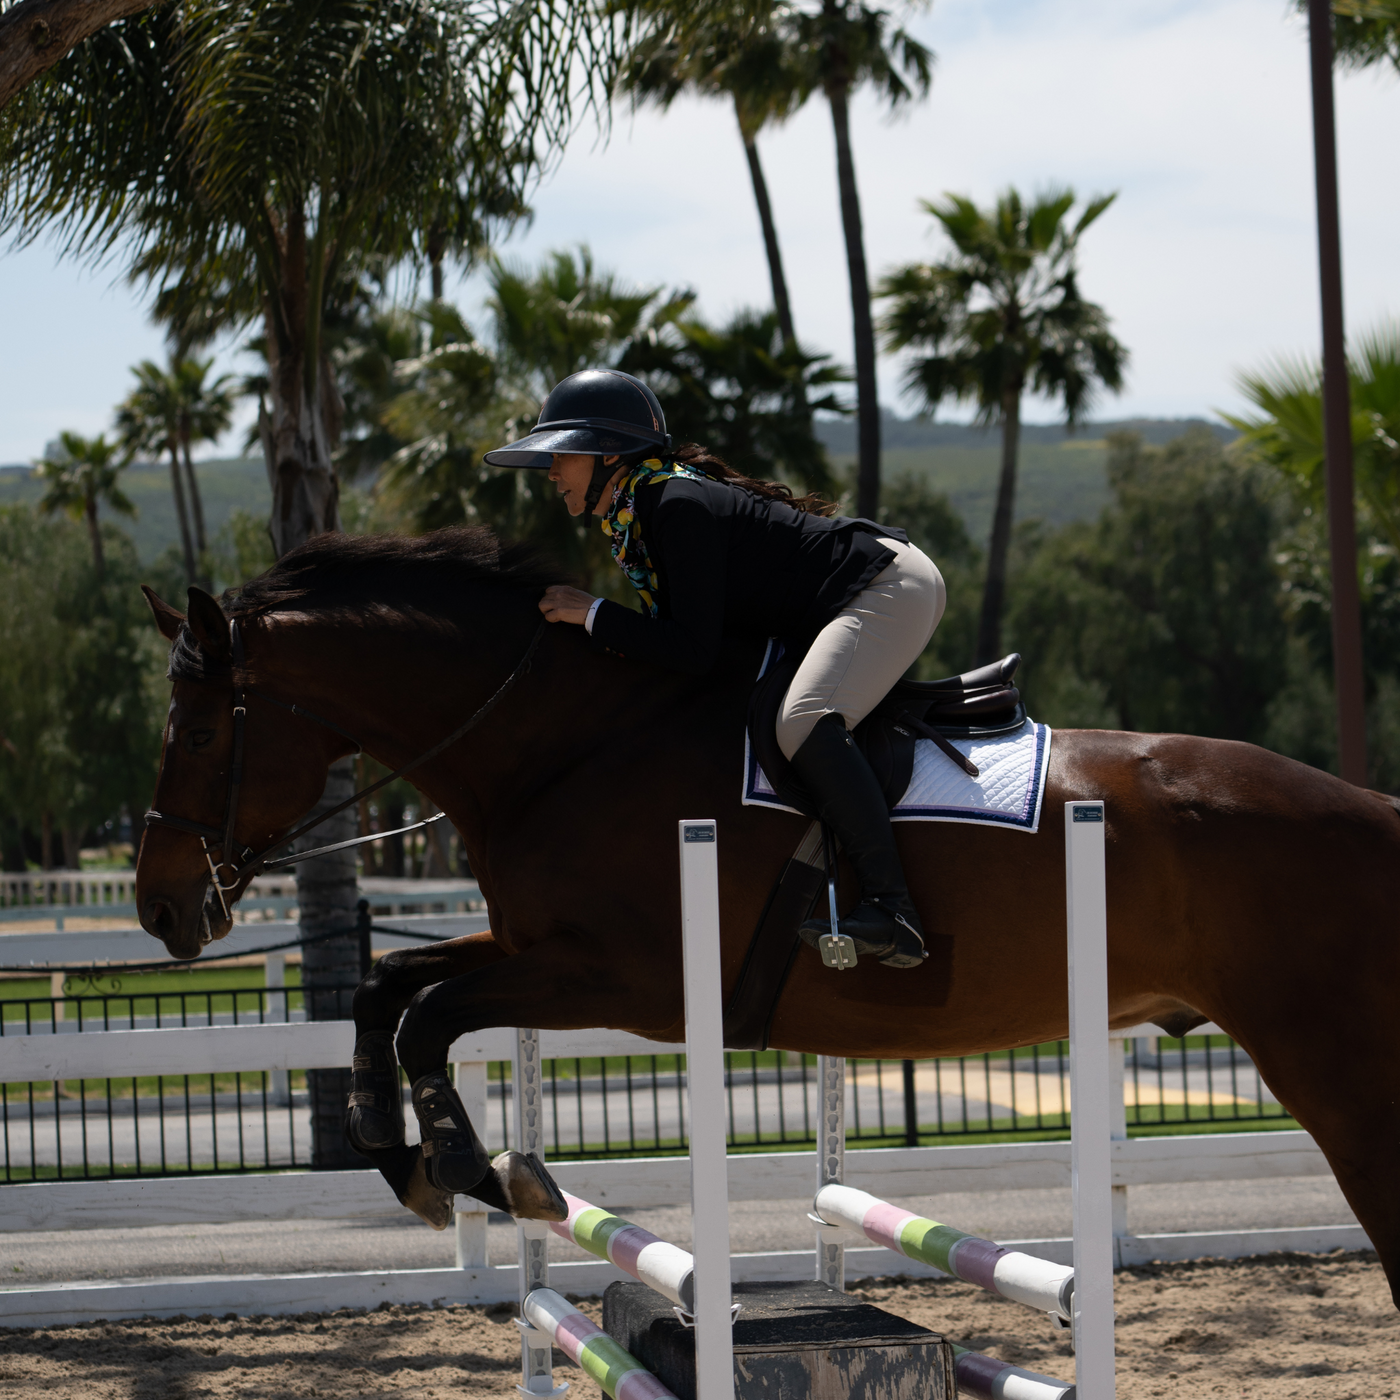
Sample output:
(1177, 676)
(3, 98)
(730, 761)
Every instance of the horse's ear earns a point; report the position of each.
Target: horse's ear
(208, 623)
(167, 619)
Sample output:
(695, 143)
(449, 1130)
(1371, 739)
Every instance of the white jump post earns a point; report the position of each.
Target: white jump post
(704, 1059)
(1091, 1084)
(536, 1356)
(831, 1165)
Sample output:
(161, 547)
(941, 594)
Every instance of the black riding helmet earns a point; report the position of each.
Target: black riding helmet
(599, 411)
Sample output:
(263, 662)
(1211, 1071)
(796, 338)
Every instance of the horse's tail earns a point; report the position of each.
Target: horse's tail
(1392, 802)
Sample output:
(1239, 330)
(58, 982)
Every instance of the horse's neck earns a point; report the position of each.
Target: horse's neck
(402, 695)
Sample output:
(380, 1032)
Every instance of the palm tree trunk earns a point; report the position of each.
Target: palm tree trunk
(201, 540)
(181, 514)
(781, 304)
(298, 425)
(95, 535)
(867, 396)
(994, 591)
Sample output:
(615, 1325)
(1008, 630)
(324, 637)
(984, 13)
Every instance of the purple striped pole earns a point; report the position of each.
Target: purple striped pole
(986, 1378)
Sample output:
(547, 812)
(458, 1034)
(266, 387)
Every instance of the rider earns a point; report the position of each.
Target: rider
(711, 553)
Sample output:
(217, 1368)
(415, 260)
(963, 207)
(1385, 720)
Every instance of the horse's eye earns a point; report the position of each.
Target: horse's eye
(196, 739)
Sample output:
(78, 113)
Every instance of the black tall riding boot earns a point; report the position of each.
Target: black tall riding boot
(885, 923)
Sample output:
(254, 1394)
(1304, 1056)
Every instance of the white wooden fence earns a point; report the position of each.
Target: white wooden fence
(66, 894)
(635, 1183)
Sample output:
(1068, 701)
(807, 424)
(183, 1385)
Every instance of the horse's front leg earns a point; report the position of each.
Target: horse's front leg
(374, 1123)
(550, 985)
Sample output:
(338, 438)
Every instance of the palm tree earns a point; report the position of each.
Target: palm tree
(1002, 315)
(169, 411)
(1287, 432)
(257, 152)
(840, 47)
(82, 477)
(731, 50)
(742, 389)
(1364, 32)
(35, 35)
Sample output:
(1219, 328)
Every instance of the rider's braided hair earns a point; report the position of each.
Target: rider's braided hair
(701, 459)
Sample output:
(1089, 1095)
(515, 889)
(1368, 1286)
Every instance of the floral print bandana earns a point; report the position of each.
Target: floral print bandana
(624, 530)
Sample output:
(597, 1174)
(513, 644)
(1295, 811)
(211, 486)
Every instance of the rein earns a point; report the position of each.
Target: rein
(221, 839)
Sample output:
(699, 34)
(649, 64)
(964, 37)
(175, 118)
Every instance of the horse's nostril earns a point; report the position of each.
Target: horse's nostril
(157, 918)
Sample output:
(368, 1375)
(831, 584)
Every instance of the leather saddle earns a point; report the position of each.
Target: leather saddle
(978, 704)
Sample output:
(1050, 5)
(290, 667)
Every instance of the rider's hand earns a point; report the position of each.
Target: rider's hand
(564, 604)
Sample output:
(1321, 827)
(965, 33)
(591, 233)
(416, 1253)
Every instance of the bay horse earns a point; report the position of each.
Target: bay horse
(1243, 888)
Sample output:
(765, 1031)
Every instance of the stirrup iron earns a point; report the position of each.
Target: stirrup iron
(838, 949)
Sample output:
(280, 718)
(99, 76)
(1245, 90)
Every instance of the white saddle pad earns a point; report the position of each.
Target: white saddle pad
(1007, 791)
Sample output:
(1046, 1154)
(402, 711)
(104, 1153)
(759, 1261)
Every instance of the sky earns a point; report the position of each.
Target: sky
(1195, 111)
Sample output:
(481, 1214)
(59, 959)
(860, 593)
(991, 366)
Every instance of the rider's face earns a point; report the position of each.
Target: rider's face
(571, 472)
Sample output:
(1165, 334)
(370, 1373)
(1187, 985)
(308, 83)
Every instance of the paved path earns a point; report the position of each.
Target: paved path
(284, 1247)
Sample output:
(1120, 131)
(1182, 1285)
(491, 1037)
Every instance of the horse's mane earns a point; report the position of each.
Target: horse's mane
(422, 582)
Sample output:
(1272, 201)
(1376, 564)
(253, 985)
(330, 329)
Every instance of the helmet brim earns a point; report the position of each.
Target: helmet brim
(536, 450)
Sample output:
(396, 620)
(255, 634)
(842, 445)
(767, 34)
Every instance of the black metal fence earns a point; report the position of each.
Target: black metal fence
(622, 1106)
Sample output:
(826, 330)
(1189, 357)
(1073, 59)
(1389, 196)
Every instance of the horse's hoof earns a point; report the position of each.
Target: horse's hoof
(430, 1205)
(530, 1192)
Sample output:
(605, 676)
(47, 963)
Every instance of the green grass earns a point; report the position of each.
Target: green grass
(147, 992)
(151, 1087)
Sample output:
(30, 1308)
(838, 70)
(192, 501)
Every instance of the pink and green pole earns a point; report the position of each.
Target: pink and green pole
(667, 1268)
(1036, 1283)
(589, 1347)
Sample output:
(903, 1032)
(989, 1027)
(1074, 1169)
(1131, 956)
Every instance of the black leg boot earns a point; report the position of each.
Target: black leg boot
(885, 923)
(453, 1154)
(374, 1114)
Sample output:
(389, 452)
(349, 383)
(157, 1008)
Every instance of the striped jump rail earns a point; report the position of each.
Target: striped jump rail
(670, 1270)
(667, 1268)
(986, 1378)
(589, 1347)
(1022, 1278)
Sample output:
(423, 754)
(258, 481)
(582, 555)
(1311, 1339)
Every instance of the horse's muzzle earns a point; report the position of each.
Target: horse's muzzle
(183, 938)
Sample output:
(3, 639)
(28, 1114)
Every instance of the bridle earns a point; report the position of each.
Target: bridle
(248, 862)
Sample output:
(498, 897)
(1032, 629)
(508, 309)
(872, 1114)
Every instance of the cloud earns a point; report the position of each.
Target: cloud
(1196, 111)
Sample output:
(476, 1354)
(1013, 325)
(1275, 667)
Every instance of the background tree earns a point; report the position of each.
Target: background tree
(728, 50)
(838, 49)
(1364, 32)
(742, 389)
(1167, 614)
(1287, 430)
(170, 410)
(1286, 434)
(82, 691)
(79, 480)
(1000, 316)
(35, 34)
(935, 526)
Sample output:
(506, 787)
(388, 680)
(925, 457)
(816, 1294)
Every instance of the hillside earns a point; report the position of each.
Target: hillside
(1061, 478)
(225, 486)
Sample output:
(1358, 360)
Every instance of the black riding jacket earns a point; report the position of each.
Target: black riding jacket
(731, 563)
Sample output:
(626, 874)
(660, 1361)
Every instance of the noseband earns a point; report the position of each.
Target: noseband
(247, 863)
